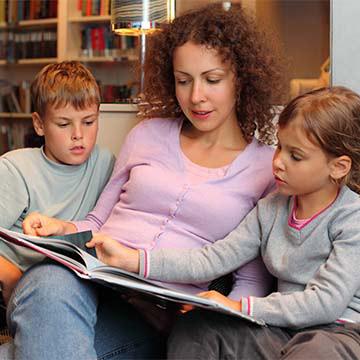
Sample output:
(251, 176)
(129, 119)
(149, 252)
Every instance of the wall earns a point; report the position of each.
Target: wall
(115, 122)
(345, 44)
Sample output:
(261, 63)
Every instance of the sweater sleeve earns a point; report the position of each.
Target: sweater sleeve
(111, 193)
(13, 200)
(331, 290)
(14, 197)
(207, 263)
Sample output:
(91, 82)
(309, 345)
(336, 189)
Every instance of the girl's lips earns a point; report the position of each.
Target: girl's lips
(278, 180)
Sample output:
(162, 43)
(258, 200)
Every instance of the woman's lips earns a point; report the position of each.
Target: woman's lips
(202, 115)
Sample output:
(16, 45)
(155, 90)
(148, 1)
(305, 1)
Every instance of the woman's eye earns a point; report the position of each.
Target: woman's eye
(181, 81)
(213, 81)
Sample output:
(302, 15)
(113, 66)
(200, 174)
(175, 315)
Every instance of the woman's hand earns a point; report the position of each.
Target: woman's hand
(113, 253)
(216, 296)
(41, 225)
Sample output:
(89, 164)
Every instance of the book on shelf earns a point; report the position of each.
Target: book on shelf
(70, 251)
(18, 10)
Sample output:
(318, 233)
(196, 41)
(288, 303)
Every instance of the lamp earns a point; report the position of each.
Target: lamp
(138, 18)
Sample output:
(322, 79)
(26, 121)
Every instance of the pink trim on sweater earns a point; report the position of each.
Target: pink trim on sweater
(299, 224)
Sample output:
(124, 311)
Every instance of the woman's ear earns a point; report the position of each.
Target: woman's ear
(38, 123)
(340, 167)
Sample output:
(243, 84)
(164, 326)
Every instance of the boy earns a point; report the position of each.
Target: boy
(63, 178)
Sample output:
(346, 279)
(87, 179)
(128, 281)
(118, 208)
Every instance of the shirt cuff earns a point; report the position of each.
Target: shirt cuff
(144, 263)
(247, 305)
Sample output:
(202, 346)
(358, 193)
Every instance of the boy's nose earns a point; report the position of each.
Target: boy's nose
(77, 134)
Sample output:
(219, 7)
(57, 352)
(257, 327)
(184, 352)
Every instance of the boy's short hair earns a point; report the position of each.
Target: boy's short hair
(60, 84)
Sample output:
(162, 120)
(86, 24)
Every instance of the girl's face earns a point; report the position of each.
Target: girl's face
(300, 166)
(204, 86)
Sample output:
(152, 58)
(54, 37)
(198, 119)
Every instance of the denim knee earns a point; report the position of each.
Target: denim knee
(48, 288)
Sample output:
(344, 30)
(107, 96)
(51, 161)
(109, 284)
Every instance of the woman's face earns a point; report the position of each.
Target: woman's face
(205, 87)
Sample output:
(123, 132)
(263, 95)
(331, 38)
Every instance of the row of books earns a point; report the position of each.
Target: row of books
(101, 41)
(17, 135)
(15, 98)
(13, 11)
(29, 44)
(94, 7)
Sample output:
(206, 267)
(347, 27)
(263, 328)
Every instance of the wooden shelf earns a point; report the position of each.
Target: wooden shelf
(99, 59)
(8, 115)
(90, 19)
(36, 61)
(38, 22)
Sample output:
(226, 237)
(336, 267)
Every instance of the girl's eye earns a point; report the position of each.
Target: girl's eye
(295, 157)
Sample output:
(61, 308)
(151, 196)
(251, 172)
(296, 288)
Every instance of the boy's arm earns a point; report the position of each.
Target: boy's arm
(14, 197)
(9, 277)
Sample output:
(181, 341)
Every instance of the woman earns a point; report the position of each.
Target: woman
(182, 179)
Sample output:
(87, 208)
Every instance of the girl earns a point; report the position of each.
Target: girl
(308, 236)
(209, 80)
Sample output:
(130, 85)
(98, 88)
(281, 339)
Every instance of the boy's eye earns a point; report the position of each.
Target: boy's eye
(89, 122)
(62, 125)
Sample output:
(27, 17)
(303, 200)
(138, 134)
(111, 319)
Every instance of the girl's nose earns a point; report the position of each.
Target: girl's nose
(277, 161)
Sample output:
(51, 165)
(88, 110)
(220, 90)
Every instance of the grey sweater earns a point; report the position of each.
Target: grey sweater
(317, 267)
(31, 182)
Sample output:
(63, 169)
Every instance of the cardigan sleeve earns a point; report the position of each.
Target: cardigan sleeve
(112, 191)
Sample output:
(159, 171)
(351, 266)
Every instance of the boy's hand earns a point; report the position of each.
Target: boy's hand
(113, 253)
(41, 225)
(215, 296)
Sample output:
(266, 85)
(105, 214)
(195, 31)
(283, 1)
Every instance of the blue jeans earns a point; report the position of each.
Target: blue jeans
(53, 314)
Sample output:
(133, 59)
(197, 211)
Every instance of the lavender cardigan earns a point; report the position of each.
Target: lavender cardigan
(149, 203)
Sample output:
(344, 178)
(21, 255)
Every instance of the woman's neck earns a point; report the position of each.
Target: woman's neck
(211, 149)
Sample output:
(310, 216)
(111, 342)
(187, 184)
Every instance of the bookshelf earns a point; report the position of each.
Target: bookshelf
(111, 60)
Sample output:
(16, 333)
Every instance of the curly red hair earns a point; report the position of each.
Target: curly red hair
(235, 37)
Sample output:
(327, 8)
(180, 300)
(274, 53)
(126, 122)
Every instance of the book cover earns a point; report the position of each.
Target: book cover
(71, 252)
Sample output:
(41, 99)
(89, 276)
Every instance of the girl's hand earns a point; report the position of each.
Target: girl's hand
(41, 225)
(113, 253)
(215, 296)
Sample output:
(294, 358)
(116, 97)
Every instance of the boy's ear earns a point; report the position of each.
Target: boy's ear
(38, 123)
(340, 167)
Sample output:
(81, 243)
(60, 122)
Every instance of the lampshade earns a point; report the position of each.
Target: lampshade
(136, 17)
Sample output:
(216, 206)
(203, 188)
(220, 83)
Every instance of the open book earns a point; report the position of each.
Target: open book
(70, 251)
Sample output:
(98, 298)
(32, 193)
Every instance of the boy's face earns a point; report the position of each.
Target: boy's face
(70, 134)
